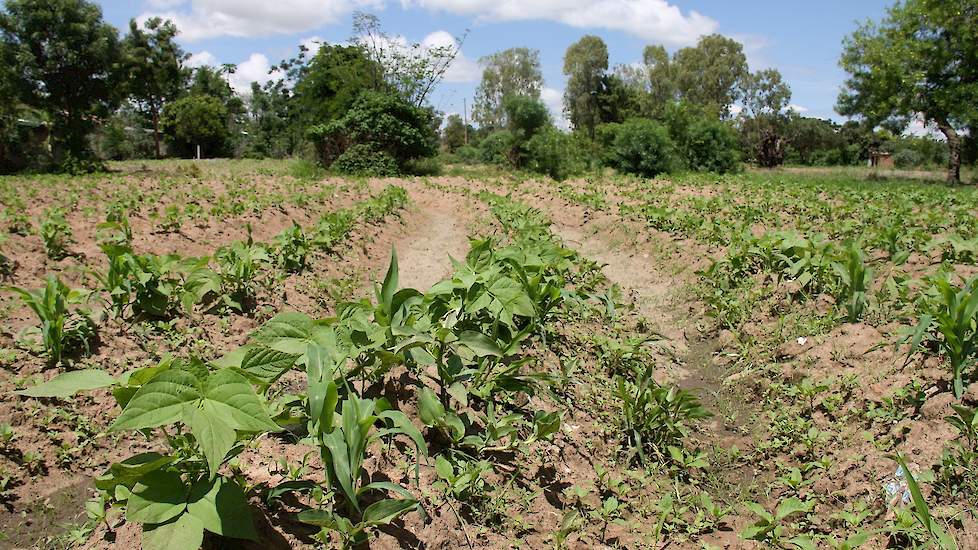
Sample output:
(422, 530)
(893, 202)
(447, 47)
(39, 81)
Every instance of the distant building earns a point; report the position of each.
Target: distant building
(880, 159)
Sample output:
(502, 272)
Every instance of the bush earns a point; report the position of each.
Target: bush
(378, 123)
(907, 158)
(525, 118)
(553, 153)
(642, 147)
(711, 146)
(424, 167)
(497, 147)
(364, 159)
(468, 154)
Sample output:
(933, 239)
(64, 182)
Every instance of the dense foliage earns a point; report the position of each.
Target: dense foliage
(642, 147)
(196, 120)
(381, 127)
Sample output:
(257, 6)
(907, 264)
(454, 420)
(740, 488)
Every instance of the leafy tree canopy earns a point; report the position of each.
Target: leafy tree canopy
(512, 72)
(67, 63)
(921, 59)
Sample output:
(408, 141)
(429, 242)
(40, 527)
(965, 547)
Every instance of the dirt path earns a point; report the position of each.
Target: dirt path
(440, 230)
(642, 268)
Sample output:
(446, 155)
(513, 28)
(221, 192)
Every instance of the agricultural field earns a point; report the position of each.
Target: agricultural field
(253, 354)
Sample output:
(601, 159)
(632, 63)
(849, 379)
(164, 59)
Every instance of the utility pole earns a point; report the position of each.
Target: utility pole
(465, 119)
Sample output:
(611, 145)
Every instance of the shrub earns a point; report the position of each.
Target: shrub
(642, 147)
(553, 153)
(525, 117)
(711, 146)
(496, 147)
(424, 167)
(468, 154)
(364, 159)
(379, 124)
(907, 158)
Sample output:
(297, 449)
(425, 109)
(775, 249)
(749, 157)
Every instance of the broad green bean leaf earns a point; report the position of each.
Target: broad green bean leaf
(157, 498)
(480, 344)
(430, 408)
(422, 356)
(760, 510)
(213, 434)
(288, 332)
(186, 532)
(232, 358)
(512, 297)
(131, 470)
(793, 505)
(459, 393)
(266, 364)
(386, 510)
(803, 542)
(222, 508)
(404, 299)
(70, 383)
(231, 394)
(454, 422)
(159, 402)
(444, 468)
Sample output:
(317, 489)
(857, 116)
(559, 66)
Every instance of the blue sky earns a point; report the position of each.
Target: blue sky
(802, 39)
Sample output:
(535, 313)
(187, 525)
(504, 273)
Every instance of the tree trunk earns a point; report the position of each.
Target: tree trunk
(156, 130)
(953, 151)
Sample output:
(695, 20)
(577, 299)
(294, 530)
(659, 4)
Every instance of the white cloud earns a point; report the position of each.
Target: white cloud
(200, 59)
(554, 100)
(797, 108)
(462, 68)
(200, 19)
(312, 44)
(253, 69)
(165, 4)
(653, 20)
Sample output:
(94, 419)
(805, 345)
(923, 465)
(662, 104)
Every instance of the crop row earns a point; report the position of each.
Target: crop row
(149, 286)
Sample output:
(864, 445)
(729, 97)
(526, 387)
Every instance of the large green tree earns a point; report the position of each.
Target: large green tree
(154, 67)
(920, 60)
(586, 65)
(764, 93)
(272, 131)
(708, 73)
(455, 133)
(327, 86)
(661, 81)
(67, 63)
(765, 96)
(512, 72)
(197, 120)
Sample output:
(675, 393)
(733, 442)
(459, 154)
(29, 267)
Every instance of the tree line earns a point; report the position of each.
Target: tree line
(73, 92)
